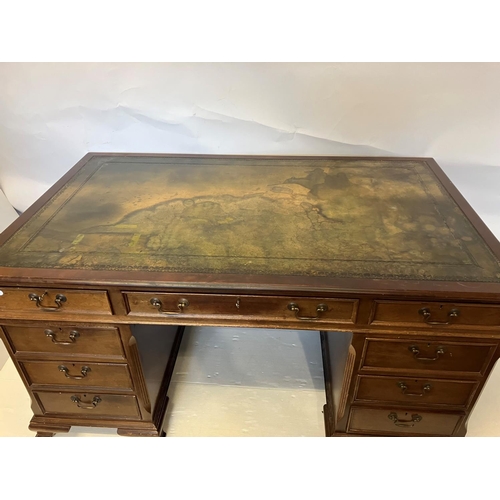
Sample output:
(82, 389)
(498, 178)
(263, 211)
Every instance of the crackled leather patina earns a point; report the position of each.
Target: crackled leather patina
(365, 218)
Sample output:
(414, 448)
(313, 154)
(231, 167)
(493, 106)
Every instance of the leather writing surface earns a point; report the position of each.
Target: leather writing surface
(369, 218)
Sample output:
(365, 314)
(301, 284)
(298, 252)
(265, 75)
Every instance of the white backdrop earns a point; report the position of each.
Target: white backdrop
(52, 114)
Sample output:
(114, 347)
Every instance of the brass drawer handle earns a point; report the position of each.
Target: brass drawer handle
(415, 418)
(84, 372)
(72, 337)
(416, 351)
(85, 406)
(181, 304)
(426, 313)
(425, 390)
(321, 308)
(38, 299)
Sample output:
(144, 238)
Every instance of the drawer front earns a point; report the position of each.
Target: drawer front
(414, 391)
(55, 301)
(394, 421)
(66, 341)
(420, 355)
(301, 310)
(78, 374)
(435, 314)
(88, 404)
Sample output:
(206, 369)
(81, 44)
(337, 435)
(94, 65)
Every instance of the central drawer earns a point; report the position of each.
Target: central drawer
(316, 310)
(113, 376)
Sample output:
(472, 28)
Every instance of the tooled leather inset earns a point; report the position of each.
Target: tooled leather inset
(365, 218)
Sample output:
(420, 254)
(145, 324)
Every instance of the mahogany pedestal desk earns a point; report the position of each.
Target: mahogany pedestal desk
(382, 257)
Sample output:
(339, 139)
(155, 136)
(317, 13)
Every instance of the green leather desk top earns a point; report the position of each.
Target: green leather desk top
(331, 217)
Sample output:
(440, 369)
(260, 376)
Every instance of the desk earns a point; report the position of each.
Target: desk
(382, 256)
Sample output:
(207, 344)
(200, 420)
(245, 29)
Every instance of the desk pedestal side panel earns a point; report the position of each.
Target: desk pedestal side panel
(338, 363)
(413, 385)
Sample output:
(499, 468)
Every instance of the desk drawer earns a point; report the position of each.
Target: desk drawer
(418, 355)
(65, 340)
(88, 404)
(408, 390)
(111, 376)
(55, 301)
(308, 309)
(435, 314)
(402, 421)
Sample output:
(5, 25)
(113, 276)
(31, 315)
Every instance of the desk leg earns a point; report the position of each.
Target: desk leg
(45, 427)
(137, 432)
